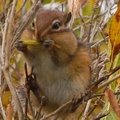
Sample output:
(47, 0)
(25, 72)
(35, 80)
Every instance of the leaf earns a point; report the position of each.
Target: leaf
(114, 34)
(106, 110)
(9, 111)
(113, 102)
(6, 98)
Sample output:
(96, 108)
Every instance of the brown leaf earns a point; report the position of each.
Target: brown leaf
(9, 112)
(113, 102)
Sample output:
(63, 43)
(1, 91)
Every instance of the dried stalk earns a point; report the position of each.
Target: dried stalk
(25, 20)
(2, 111)
(56, 111)
(13, 92)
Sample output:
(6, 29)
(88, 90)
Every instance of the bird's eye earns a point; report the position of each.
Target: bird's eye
(56, 25)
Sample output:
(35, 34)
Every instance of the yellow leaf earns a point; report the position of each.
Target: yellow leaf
(114, 34)
(6, 98)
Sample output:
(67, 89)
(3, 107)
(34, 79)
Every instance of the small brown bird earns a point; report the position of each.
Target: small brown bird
(61, 63)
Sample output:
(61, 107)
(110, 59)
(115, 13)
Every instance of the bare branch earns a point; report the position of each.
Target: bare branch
(13, 92)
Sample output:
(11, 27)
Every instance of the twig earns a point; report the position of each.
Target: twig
(93, 108)
(31, 84)
(28, 78)
(4, 41)
(95, 43)
(2, 111)
(56, 111)
(25, 20)
(105, 77)
(90, 22)
(94, 17)
(10, 30)
(87, 95)
(13, 92)
(86, 109)
(27, 94)
(108, 82)
(101, 116)
(103, 94)
(40, 108)
(23, 4)
(5, 67)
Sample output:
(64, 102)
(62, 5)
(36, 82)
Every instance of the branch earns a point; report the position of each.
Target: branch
(56, 111)
(25, 20)
(105, 77)
(13, 92)
(2, 111)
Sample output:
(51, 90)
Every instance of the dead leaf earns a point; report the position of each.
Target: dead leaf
(113, 102)
(9, 112)
(114, 34)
